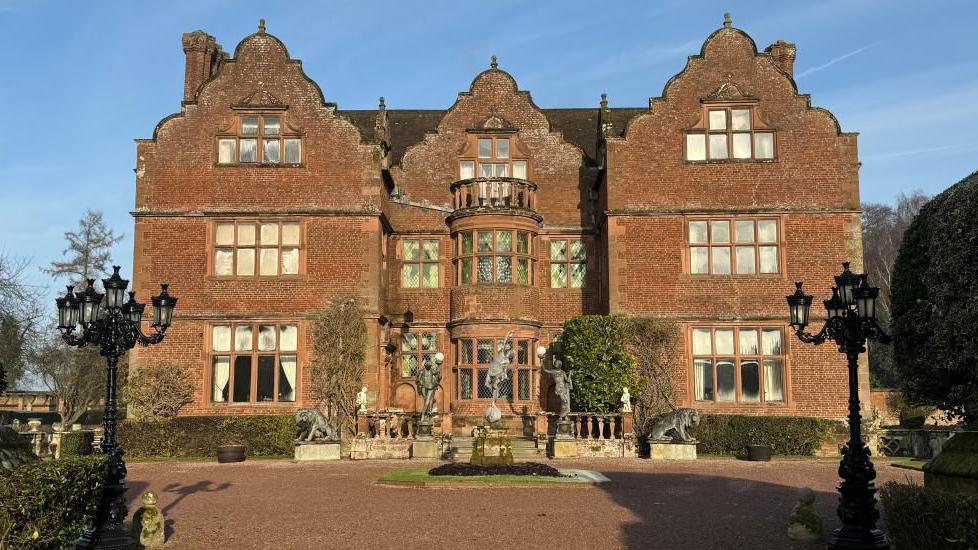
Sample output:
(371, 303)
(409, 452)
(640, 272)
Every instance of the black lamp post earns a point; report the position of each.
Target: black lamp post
(850, 321)
(113, 326)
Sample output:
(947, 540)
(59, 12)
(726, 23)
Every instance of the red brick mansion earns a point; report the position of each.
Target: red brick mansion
(260, 202)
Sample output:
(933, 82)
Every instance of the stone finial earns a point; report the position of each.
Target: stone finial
(604, 101)
(493, 64)
(261, 26)
(148, 524)
(381, 105)
(727, 22)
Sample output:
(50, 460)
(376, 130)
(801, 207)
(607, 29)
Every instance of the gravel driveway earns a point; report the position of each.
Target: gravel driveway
(708, 503)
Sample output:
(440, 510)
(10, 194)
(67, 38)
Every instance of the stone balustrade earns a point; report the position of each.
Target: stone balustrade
(501, 192)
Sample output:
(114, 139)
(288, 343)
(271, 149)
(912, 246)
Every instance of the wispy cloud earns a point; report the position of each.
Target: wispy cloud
(833, 61)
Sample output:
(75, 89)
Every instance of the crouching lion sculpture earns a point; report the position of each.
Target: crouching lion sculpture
(679, 420)
(312, 425)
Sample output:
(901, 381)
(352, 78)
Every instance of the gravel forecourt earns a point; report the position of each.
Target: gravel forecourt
(703, 504)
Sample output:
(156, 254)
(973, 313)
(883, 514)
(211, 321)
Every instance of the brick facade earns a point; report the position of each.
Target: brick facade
(367, 182)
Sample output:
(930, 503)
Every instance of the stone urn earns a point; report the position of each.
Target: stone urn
(230, 453)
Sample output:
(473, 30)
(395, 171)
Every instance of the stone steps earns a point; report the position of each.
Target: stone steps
(523, 449)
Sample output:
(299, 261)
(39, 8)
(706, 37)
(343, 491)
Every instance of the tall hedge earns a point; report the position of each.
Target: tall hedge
(199, 436)
(935, 307)
(594, 348)
(728, 434)
(47, 505)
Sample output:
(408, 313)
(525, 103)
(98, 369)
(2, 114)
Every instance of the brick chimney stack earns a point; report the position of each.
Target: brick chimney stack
(783, 55)
(204, 56)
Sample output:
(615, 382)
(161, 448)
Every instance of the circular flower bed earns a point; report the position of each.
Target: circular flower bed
(517, 469)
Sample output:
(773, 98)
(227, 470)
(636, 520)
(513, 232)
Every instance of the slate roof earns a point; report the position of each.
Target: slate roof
(409, 126)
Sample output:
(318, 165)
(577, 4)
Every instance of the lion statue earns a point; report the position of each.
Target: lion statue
(311, 422)
(679, 420)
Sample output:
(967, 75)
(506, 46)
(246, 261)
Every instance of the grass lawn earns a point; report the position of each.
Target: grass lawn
(420, 477)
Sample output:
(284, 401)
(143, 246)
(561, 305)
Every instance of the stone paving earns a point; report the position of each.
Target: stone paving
(704, 504)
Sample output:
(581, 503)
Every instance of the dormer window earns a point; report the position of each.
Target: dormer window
(259, 140)
(493, 159)
(731, 133)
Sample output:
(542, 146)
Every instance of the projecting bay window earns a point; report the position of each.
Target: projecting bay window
(738, 364)
(493, 159)
(734, 246)
(501, 256)
(259, 140)
(251, 248)
(418, 350)
(420, 267)
(731, 133)
(473, 359)
(254, 362)
(568, 263)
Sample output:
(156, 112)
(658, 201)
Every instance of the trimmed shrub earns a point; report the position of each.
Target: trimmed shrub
(594, 348)
(920, 518)
(48, 504)
(935, 315)
(77, 443)
(200, 436)
(725, 434)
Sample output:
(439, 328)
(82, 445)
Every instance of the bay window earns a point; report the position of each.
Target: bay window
(494, 255)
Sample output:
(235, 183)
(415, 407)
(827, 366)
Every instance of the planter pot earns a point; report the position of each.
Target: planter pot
(758, 453)
(230, 453)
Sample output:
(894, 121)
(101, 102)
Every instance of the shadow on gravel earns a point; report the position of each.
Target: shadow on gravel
(676, 511)
(184, 491)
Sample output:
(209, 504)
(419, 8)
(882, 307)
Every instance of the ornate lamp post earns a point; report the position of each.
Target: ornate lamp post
(111, 323)
(850, 321)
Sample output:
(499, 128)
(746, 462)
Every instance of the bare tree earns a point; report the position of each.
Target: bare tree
(20, 317)
(157, 392)
(339, 350)
(89, 250)
(655, 344)
(883, 227)
(75, 376)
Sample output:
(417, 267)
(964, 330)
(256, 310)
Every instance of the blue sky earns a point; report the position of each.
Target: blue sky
(81, 80)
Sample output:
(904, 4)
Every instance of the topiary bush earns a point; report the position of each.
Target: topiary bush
(47, 505)
(77, 443)
(199, 436)
(727, 434)
(935, 313)
(594, 348)
(920, 518)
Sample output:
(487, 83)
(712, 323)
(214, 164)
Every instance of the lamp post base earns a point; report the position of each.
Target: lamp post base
(855, 538)
(117, 538)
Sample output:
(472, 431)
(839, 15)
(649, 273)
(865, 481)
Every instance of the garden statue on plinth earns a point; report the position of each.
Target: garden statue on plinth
(626, 400)
(563, 384)
(428, 379)
(492, 446)
(362, 399)
(424, 445)
(665, 446)
(805, 524)
(318, 438)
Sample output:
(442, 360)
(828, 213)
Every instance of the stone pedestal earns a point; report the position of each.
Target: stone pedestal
(307, 451)
(492, 447)
(668, 450)
(425, 447)
(564, 447)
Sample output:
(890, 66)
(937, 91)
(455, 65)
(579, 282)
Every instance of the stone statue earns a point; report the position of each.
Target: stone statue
(362, 399)
(147, 523)
(563, 380)
(679, 420)
(805, 523)
(312, 425)
(428, 379)
(626, 400)
(498, 373)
